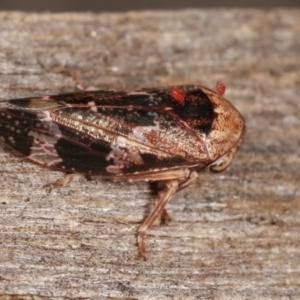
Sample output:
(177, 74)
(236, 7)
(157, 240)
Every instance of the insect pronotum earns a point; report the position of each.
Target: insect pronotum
(154, 134)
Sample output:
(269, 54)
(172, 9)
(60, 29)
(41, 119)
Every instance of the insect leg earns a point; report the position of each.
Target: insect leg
(80, 84)
(193, 177)
(164, 217)
(163, 198)
(63, 181)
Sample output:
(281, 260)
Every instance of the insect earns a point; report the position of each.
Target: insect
(153, 134)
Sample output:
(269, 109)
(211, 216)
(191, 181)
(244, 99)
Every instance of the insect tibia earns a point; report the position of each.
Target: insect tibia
(163, 198)
(80, 84)
(68, 178)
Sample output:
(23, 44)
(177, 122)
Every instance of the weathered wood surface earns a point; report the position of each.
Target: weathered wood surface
(233, 236)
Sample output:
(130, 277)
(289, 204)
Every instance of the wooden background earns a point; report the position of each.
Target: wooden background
(235, 235)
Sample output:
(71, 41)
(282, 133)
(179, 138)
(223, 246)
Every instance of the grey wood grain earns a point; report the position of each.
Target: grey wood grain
(235, 235)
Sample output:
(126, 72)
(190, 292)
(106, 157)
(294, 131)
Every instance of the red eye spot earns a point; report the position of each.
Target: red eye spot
(220, 88)
(178, 95)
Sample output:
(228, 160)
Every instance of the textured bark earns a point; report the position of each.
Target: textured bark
(235, 235)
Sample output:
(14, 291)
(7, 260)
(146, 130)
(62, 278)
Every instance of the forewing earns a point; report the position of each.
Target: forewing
(101, 133)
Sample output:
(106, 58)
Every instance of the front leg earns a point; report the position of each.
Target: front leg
(80, 84)
(163, 198)
(64, 181)
(172, 186)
